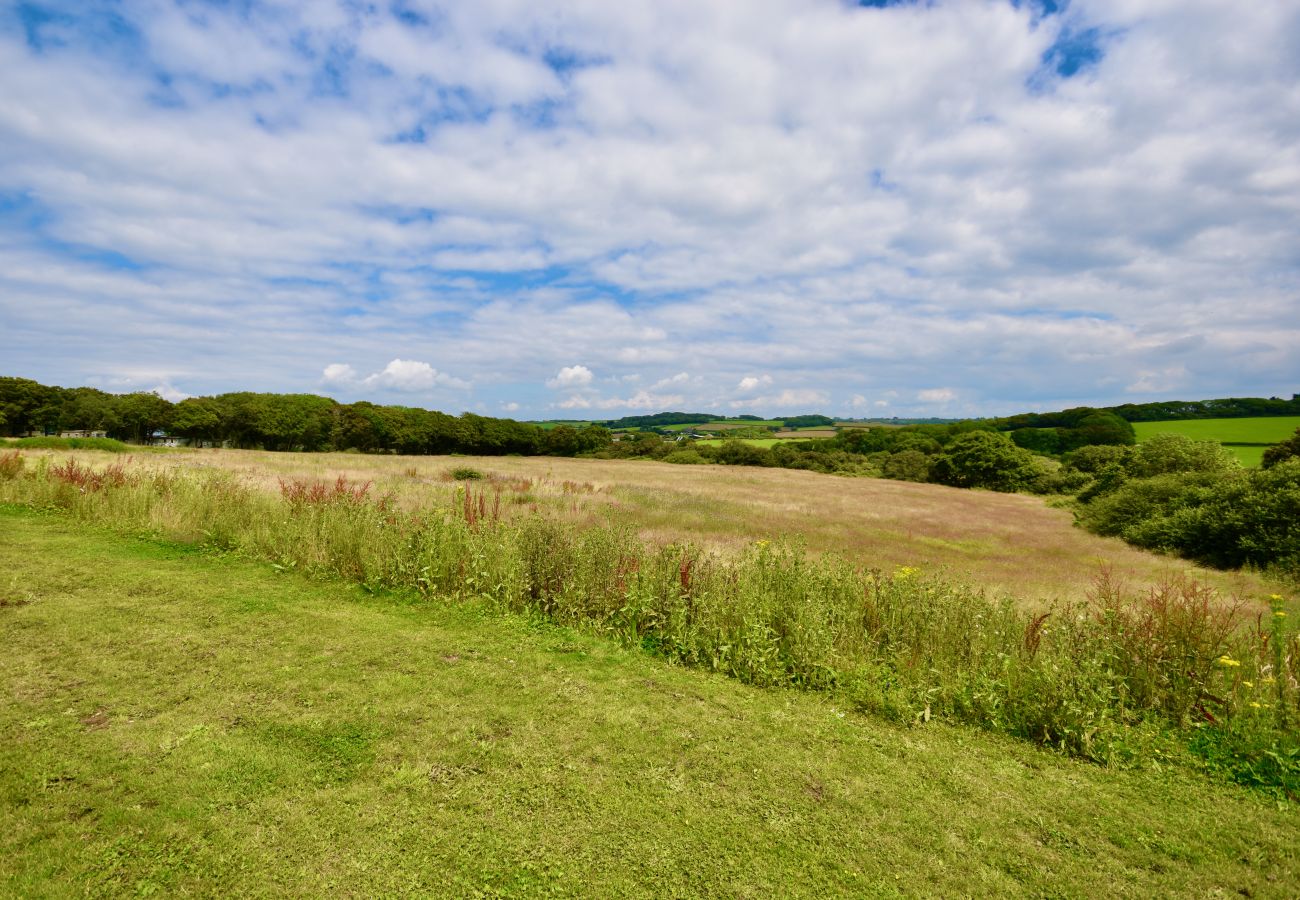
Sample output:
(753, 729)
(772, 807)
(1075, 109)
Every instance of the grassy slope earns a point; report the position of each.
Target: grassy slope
(190, 723)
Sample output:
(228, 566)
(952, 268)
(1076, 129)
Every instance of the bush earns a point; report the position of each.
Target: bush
(466, 473)
(108, 445)
(1288, 449)
(1166, 454)
(909, 465)
(1096, 457)
(1225, 519)
(685, 458)
(984, 459)
(738, 453)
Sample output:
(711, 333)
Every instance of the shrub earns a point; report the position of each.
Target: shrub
(108, 445)
(685, 458)
(1166, 454)
(466, 473)
(909, 465)
(1288, 449)
(984, 459)
(1096, 457)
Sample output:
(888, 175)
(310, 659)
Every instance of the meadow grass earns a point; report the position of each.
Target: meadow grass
(1007, 543)
(108, 445)
(188, 723)
(1125, 677)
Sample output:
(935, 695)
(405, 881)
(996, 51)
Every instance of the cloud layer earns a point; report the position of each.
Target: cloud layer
(765, 205)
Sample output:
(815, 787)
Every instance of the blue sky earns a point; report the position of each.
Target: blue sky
(592, 209)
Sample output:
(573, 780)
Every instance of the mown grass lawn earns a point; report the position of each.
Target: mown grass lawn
(179, 722)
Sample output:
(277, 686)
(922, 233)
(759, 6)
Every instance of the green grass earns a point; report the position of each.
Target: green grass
(177, 722)
(1245, 438)
(61, 443)
(757, 442)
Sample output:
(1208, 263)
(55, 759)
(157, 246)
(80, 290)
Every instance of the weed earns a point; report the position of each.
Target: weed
(11, 464)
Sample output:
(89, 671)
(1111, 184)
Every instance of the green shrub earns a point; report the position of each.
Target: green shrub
(466, 473)
(1288, 449)
(1167, 454)
(984, 459)
(908, 465)
(108, 445)
(685, 458)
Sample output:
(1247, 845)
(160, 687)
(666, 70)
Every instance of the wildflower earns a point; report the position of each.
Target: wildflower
(1268, 679)
(1275, 597)
(761, 544)
(1228, 662)
(1256, 705)
(906, 571)
(1249, 684)
(1279, 614)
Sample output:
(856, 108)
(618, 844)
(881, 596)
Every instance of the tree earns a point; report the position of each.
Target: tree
(984, 459)
(141, 414)
(1286, 450)
(1170, 453)
(907, 465)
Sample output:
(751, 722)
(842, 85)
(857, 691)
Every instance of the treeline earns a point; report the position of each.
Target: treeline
(1224, 408)
(962, 454)
(280, 422)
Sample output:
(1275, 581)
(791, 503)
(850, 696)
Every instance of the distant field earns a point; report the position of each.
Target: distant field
(724, 426)
(808, 433)
(977, 535)
(1235, 434)
(556, 423)
(757, 442)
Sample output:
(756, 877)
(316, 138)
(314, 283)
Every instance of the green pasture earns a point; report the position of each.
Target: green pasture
(184, 723)
(1246, 438)
(757, 442)
(556, 423)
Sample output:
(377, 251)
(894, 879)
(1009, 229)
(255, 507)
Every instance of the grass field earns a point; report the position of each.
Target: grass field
(178, 722)
(1238, 435)
(1005, 542)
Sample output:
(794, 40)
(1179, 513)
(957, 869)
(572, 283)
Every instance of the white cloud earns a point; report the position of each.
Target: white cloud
(805, 399)
(852, 200)
(510, 407)
(411, 376)
(339, 374)
(169, 392)
(571, 377)
(937, 395)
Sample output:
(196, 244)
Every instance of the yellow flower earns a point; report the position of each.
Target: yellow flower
(1268, 679)
(761, 543)
(1275, 596)
(1249, 684)
(1256, 705)
(1279, 614)
(1228, 662)
(906, 571)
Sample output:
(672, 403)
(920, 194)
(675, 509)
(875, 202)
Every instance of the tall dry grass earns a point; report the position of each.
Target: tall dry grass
(1104, 678)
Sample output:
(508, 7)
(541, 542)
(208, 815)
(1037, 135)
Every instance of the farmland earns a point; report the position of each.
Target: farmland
(1245, 438)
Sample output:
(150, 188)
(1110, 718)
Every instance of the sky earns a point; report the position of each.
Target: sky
(590, 209)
